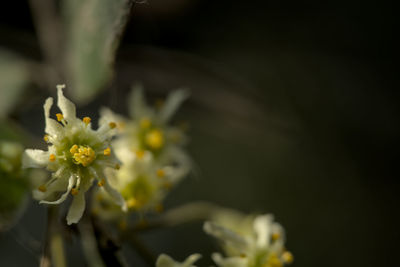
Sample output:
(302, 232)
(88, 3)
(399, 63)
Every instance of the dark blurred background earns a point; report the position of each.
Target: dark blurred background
(294, 111)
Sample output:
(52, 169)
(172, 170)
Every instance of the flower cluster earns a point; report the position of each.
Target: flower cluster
(77, 155)
(150, 149)
(248, 241)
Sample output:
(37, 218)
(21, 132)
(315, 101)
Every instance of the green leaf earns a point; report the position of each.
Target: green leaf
(93, 30)
(14, 76)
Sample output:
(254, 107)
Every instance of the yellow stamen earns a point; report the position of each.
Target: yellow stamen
(273, 261)
(101, 182)
(73, 149)
(145, 123)
(160, 173)
(112, 125)
(83, 155)
(52, 157)
(60, 116)
(107, 151)
(242, 255)
(42, 188)
(86, 120)
(140, 154)
(275, 236)
(154, 139)
(74, 191)
(46, 138)
(287, 257)
(117, 166)
(131, 203)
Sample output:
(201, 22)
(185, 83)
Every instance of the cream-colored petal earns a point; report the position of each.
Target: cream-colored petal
(262, 228)
(117, 197)
(173, 102)
(76, 209)
(230, 261)
(66, 106)
(64, 196)
(107, 116)
(35, 158)
(137, 105)
(166, 261)
(52, 127)
(191, 259)
(225, 235)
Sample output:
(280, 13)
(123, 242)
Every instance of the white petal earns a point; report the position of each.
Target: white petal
(225, 235)
(76, 209)
(64, 196)
(165, 261)
(191, 259)
(35, 158)
(52, 126)
(115, 195)
(174, 100)
(66, 106)
(262, 228)
(137, 103)
(107, 116)
(230, 261)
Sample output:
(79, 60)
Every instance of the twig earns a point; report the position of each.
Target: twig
(186, 213)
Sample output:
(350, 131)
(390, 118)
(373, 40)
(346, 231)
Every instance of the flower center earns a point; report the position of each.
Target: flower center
(82, 155)
(154, 139)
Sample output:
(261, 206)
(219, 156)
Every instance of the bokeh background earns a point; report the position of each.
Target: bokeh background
(294, 111)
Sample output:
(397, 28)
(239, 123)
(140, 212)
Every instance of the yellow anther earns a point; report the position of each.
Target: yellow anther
(155, 139)
(73, 149)
(86, 120)
(52, 157)
(82, 155)
(159, 208)
(287, 257)
(140, 154)
(160, 173)
(112, 125)
(145, 123)
(131, 203)
(242, 255)
(42, 188)
(74, 191)
(273, 261)
(107, 151)
(275, 236)
(101, 182)
(117, 166)
(46, 138)
(60, 116)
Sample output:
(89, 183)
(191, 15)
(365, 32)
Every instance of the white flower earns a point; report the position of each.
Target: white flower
(166, 261)
(77, 155)
(150, 149)
(251, 241)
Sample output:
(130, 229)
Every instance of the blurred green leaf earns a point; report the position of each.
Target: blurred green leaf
(14, 76)
(93, 32)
